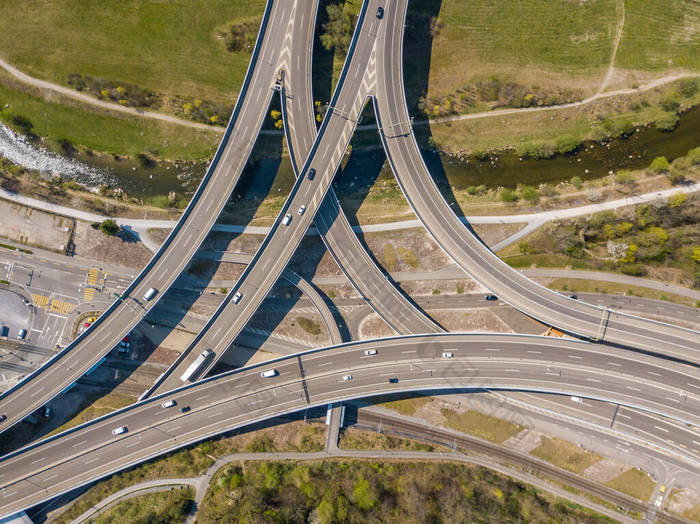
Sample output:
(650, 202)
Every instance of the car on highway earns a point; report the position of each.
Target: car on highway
(119, 430)
(148, 295)
(311, 174)
(448, 354)
(269, 373)
(2, 417)
(168, 404)
(46, 412)
(184, 409)
(575, 297)
(380, 12)
(237, 297)
(369, 352)
(347, 377)
(22, 333)
(393, 380)
(491, 297)
(302, 208)
(287, 219)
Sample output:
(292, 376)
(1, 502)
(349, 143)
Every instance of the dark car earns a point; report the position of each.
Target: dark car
(2, 417)
(393, 380)
(574, 297)
(380, 12)
(184, 409)
(491, 297)
(312, 174)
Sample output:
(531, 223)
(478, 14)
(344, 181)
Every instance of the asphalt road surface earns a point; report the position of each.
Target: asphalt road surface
(47, 468)
(195, 223)
(466, 249)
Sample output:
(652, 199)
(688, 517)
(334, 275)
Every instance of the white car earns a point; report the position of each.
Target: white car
(287, 219)
(301, 210)
(168, 404)
(119, 430)
(269, 373)
(347, 377)
(237, 297)
(369, 352)
(448, 354)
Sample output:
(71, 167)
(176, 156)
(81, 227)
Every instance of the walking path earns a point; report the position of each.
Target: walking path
(91, 100)
(201, 483)
(137, 224)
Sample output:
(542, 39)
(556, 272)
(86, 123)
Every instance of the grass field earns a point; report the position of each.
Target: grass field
(170, 47)
(172, 505)
(520, 40)
(660, 35)
(635, 483)
(565, 455)
(93, 129)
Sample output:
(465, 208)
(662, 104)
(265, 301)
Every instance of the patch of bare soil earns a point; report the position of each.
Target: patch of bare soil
(472, 320)
(518, 322)
(685, 501)
(160, 345)
(373, 326)
(303, 326)
(443, 287)
(157, 235)
(605, 470)
(493, 233)
(122, 249)
(406, 250)
(312, 259)
(34, 227)
(525, 441)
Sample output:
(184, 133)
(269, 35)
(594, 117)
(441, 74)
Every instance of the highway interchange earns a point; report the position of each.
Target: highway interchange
(669, 387)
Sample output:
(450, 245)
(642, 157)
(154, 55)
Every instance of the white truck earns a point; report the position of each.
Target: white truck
(196, 365)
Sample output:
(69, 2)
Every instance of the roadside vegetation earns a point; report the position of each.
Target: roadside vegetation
(167, 507)
(660, 239)
(362, 491)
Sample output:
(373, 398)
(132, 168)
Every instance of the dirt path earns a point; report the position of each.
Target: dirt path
(613, 54)
(87, 99)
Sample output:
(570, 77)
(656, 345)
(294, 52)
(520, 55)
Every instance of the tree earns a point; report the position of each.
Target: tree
(624, 176)
(695, 255)
(659, 164)
(577, 182)
(337, 32)
(529, 193)
(109, 227)
(508, 195)
(363, 495)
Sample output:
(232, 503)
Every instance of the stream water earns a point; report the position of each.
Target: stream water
(591, 160)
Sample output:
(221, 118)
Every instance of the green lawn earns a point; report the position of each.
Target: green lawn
(660, 34)
(170, 47)
(93, 129)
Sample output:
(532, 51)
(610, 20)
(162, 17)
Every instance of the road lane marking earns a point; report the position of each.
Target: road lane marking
(79, 443)
(37, 460)
(202, 398)
(662, 429)
(92, 460)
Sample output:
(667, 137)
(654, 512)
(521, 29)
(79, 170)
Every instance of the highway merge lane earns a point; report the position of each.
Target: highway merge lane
(44, 469)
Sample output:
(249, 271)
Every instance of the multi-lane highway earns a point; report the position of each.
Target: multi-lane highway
(355, 84)
(332, 224)
(465, 248)
(195, 223)
(60, 463)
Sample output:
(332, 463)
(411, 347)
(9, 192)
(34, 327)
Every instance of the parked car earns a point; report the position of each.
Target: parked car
(22, 333)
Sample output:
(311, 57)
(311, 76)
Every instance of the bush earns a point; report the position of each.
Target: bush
(624, 176)
(567, 144)
(241, 37)
(659, 164)
(667, 122)
(535, 150)
(577, 182)
(529, 193)
(508, 195)
(337, 32)
(109, 227)
(671, 102)
(22, 124)
(688, 87)
(694, 156)
(309, 326)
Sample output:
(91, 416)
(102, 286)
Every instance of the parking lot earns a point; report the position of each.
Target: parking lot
(15, 314)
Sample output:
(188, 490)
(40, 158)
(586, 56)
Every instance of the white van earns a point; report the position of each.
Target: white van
(269, 373)
(168, 404)
(150, 293)
(119, 430)
(448, 354)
